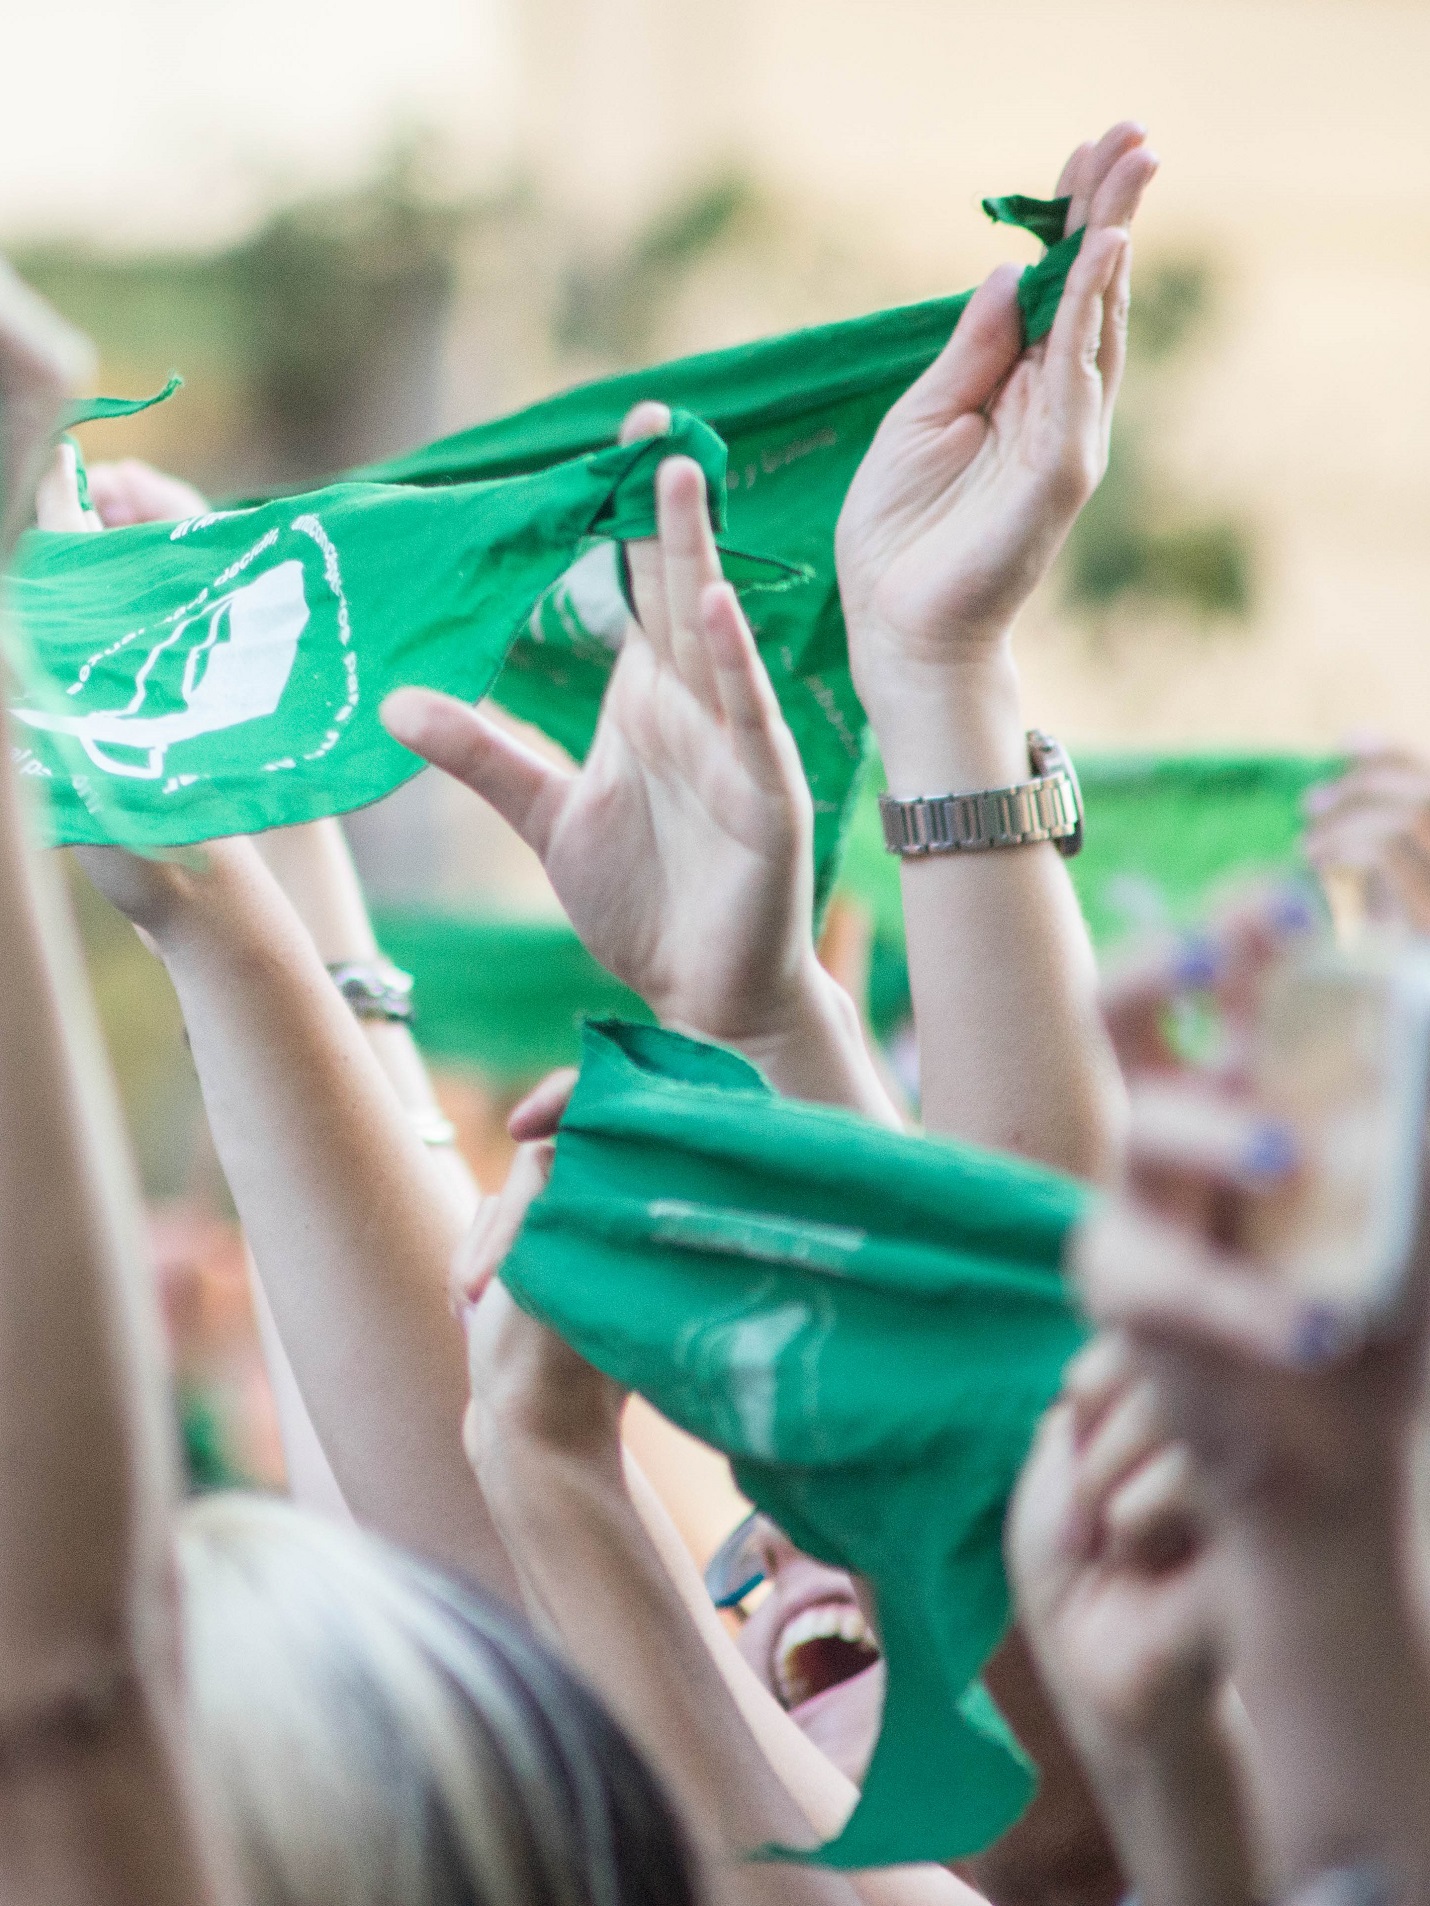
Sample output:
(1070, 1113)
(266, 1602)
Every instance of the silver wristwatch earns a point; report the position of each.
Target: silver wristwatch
(1047, 808)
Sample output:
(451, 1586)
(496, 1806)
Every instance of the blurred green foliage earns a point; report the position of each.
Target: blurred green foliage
(1141, 540)
(612, 306)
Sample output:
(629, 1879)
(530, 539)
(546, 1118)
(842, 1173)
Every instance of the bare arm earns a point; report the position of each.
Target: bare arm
(314, 867)
(965, 496)
(351, 1224)
(96, 1779)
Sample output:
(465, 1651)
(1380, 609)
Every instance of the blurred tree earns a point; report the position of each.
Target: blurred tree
(612, 307)
(1140, 540)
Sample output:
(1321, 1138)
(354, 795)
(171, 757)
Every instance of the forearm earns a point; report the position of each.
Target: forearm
(96, 1780)
(350, 1224)
(1176, 1812)
(1011, 1047)
(89, 1472)
(592, 1580)
(314, 867)
(822, 1056)
(1332, 1667)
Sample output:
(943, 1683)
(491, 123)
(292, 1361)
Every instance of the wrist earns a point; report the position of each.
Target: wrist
(953, 728)
(817, 1050)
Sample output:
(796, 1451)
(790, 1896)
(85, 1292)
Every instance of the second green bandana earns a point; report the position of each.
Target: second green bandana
(869, 1325)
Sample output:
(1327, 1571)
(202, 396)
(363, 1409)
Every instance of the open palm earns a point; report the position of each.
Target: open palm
(682, 848)
(980, 469)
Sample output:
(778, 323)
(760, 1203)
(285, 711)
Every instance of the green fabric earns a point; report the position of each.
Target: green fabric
(93, 410)
(868, 1324)
(506, 996)
(223, 675)
(798, 413)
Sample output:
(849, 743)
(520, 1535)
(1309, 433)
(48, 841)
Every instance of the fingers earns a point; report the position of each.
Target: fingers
(971, 368)
(1090, 166)
(1074, 356)
(1114, 203)
(525, 790)
(1112, 347)
(57, 504)
(1157, 1517)
(691, 563)
(541, 1111)
(1229, 958)
(746, 698)
(1189, 1127)
(1162, 1285)
(494, 1229)
(643, 559)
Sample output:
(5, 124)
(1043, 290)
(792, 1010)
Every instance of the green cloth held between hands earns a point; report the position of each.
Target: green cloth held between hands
(797, 412)
(868, 1324)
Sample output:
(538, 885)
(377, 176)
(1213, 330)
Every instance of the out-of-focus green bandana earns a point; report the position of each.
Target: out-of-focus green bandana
(225, 676)
(869, 1325)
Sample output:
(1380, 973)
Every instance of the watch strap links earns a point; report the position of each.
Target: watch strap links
(1046, 808)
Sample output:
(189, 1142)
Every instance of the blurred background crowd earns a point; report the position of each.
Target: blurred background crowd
(352, 228)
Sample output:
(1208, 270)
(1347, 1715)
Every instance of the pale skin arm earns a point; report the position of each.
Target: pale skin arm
(350, 1222)
(97, 1785)
(313, 865)
(956, 513)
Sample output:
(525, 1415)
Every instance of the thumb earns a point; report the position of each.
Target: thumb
(525, 790)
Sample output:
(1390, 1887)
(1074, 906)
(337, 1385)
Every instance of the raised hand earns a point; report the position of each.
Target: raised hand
(979, 470)
(1118, 1596)
(1107, 1544)
(682, 848)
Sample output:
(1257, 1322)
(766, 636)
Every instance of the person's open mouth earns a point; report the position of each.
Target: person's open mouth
(818, 1648)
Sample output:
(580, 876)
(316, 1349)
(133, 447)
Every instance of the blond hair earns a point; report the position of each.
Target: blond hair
(373, 1733)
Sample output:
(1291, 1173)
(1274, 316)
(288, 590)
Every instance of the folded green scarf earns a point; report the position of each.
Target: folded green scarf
(869, 1325)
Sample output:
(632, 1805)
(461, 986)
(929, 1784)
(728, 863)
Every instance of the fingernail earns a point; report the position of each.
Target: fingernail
(1272, 1153)
(1199, 962)
(1322, 1335)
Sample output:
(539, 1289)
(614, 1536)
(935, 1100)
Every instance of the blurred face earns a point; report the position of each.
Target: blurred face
(811, 1644)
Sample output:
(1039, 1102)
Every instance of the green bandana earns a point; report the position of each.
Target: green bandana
(436, 590)
(223, 675)
(868, 1325)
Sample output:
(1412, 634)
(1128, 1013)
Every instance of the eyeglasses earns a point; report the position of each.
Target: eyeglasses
(737, 1567)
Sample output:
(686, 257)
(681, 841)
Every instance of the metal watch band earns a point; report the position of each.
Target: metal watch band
(375, 990)
(1047, 808)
